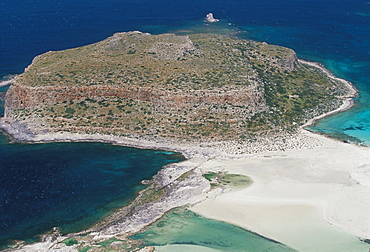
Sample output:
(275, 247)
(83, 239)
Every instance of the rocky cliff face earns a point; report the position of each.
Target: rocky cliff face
(21, 97)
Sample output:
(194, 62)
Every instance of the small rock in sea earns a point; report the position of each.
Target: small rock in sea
(145, 182)
(210, 18)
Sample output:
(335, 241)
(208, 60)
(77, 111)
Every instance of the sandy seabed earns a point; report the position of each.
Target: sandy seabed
(312, 199)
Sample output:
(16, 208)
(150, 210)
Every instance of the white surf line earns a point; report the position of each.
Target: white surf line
(6, 83)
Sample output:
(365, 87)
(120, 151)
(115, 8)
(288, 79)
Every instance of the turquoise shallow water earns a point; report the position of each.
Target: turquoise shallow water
(185, 227)
(352, 125)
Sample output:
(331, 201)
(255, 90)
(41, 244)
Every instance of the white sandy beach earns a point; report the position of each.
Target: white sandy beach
(312, 199)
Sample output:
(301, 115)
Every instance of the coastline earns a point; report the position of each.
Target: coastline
(354, 91)
(203, 157)
(347, 100)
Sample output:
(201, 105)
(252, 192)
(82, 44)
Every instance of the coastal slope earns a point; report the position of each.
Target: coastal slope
(199, 87)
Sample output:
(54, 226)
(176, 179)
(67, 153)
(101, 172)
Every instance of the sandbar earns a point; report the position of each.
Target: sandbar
(311, 199)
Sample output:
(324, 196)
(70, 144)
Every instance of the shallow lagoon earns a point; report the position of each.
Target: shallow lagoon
(185, 227)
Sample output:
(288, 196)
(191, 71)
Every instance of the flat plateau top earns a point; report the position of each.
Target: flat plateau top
(169, 61)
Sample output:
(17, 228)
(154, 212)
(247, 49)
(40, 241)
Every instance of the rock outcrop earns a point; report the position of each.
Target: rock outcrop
(210, 18)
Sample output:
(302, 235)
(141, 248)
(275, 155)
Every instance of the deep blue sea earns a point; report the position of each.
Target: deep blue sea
(335, 33)
(69, 185)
